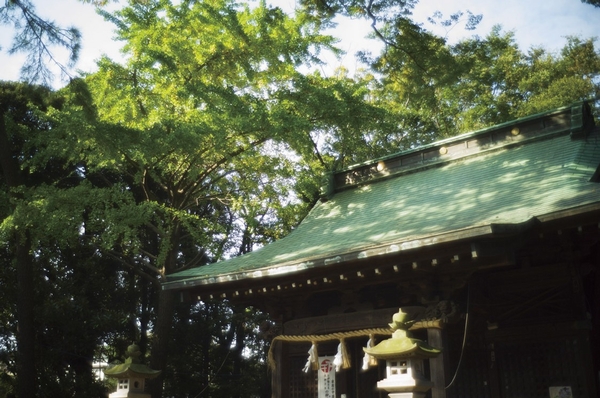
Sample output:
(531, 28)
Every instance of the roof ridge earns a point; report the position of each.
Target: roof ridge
(575, 119)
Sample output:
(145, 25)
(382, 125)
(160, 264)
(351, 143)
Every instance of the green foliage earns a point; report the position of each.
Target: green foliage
(381, 11)
(209, 87)
(189, 147)
(480, 82)
(558, 80)
(81, 309)
(74, 288)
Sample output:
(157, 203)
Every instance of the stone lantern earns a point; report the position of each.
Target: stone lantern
(404, 361)
(131, 376)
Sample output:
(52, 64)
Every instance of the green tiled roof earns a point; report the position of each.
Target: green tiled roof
(507, 183)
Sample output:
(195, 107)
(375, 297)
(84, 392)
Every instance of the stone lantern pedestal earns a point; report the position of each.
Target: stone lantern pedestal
(404, 361)
(131, 376)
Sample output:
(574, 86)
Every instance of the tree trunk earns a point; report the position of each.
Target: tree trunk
(164, 320)
(162, 333)
(206, 340)
(26, 374)
(238, 360)
(144, 316)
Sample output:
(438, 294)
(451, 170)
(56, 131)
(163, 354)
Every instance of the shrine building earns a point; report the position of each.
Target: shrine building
(489, 240)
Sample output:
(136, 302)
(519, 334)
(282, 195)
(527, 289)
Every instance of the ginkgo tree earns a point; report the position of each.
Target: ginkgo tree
(185, 154)
(202, 125)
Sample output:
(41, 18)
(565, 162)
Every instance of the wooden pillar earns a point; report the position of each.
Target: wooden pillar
(277, 372)
(437, 339)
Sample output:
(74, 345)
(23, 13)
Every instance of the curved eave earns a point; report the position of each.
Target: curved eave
(479, 232)
(389, 248)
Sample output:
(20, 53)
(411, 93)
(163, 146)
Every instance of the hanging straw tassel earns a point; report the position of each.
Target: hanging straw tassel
(369, 360)
(338, 361)
(313, 358)
(342, 358)
(345, 356)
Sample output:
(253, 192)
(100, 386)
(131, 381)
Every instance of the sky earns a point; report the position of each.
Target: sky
(535, 23)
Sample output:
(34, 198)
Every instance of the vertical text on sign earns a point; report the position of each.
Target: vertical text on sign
(326, 377)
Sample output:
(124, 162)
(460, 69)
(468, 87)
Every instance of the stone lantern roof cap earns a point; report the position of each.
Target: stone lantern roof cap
(132, 368)
(400, 345)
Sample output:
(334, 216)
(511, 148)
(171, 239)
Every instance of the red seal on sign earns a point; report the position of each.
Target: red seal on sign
(326, 366)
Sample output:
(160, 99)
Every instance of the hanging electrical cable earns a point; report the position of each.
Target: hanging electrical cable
(464, 342)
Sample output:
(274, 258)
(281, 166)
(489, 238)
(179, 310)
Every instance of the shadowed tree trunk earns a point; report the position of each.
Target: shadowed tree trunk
(26, 374)
(164, 320)
(162, 332)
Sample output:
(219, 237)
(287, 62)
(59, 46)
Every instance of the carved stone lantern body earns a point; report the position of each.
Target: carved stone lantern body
(405, 378)
(130, 387)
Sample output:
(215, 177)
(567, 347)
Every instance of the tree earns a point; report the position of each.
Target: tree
(15, 121)
(36, 36)
(595, 3)
(226, 356)
(199, 127)
(390, 20)
(65, 297)
(559, 79)
(186, 161)
(481, 82)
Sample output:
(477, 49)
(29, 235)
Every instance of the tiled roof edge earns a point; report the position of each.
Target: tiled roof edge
(382, 249)
(493, 229)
